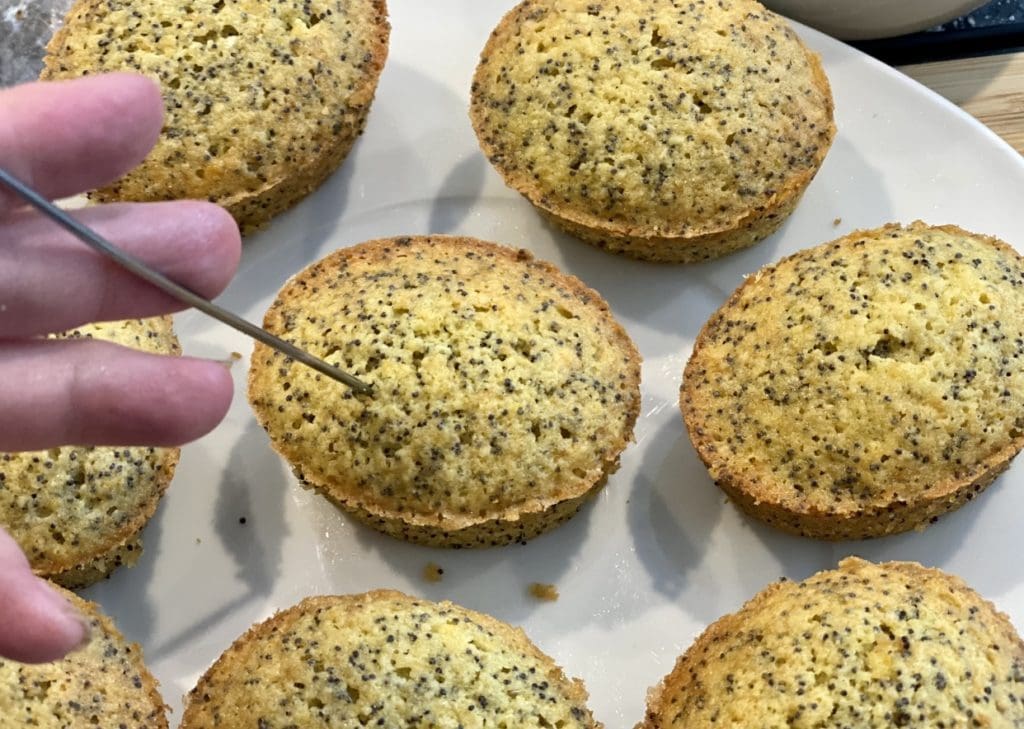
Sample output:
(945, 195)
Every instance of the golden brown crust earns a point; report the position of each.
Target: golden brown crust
(78, 512)
(446, 485)
(678, 249)
(517, 528)
(302, 147)
(800, 504)
(895, 628)
(104, 683)
(877, 521)
(701, 235)
(331, 633)
(80, 576)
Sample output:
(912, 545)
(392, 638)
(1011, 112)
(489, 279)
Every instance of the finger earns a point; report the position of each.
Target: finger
(51, 281)
(63, 137)
(90, 392)
(36, 623)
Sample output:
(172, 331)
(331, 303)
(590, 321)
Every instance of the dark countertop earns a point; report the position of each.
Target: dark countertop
(997, 27)
(25, 27)
(997, 12)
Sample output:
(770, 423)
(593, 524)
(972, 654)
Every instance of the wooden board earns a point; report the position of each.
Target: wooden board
(991, 88)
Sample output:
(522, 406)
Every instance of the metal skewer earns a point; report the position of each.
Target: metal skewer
(143, 271)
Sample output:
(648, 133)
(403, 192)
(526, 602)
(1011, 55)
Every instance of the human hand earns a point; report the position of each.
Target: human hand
(63, 138)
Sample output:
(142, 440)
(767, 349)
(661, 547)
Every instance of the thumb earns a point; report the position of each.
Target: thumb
(36, 623)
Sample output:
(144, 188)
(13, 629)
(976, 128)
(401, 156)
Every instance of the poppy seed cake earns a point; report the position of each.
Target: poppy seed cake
(385, 659)
(504, 389)
(669, 131)
(263, 100)
(866, 645)
(103, 683)
(866, 386)
(77, 511)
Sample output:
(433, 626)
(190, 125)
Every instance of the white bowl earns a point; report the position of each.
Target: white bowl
(864, 19)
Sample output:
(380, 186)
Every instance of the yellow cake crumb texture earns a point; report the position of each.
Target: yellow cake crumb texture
(104, 684)
(76, 510)
(385, 659)
(651, 118)
(879, 372)
(543, 591)
(501, 386)
(866, 645)
(262, 99)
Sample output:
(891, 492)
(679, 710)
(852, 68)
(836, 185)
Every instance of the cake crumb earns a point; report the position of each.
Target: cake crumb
(433, 572)
(836, 222)
(542, 591)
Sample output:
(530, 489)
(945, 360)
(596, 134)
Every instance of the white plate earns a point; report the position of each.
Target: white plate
(659, 554)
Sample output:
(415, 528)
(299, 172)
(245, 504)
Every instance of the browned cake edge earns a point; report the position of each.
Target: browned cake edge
(454, 530)
(515, 639)
(489, 533)
(637, 241)
(889, 517)
(83, 575)
(661, 701)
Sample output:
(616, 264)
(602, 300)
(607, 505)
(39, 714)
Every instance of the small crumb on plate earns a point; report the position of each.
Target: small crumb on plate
(433, 572)
(541, 591)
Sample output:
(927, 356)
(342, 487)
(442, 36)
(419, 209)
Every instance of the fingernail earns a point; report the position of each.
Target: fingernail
(86, 626)
(74, 628)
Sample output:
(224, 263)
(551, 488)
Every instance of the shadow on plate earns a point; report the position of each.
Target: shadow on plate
(671, 298)
(134, 617)
(493, 580)
(697, 549)
(463, 185)
(828, 211)
(970, 541)
(248, 520)
(673, 510)
(249, 514)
